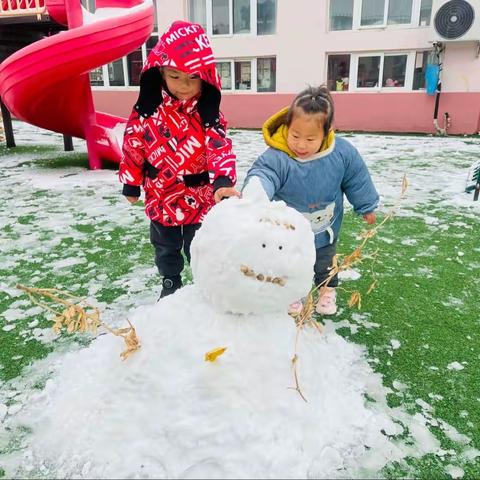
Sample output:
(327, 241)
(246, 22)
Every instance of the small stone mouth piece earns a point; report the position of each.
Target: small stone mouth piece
(249, 272)
(286, 225)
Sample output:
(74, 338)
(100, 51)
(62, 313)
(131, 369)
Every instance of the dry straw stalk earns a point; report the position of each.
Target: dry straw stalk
(77, 315)
(305, 317)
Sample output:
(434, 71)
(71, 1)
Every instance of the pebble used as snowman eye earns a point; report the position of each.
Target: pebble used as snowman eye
(263, 245)
(280, 247)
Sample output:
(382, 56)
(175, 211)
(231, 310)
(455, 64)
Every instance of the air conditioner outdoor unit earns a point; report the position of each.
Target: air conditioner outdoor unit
(455, 21)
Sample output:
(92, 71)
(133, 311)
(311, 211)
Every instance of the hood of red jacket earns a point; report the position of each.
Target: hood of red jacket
(186, 47)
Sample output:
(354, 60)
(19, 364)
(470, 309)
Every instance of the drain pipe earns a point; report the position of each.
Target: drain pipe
(446, 116)
(439, 48)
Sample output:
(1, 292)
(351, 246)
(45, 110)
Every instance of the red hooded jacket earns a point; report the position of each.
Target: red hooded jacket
(177, 157)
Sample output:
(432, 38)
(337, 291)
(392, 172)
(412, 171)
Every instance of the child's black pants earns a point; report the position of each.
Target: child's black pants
(168, 243)
(323, 262)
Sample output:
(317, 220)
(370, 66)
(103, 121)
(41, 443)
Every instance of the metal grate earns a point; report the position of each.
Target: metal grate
(454, 19)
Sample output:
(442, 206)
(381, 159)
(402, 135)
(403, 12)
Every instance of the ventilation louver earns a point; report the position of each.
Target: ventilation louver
(454, 19)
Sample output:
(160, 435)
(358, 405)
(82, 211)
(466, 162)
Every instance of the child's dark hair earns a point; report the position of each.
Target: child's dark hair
(314, 100)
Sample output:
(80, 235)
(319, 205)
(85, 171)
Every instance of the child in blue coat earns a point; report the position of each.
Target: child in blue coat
(310, 169)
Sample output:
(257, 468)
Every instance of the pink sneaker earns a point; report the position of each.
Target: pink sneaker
(295, 308)
(327, 303)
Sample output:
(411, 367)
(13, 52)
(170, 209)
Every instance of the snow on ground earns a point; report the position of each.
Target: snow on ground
(168, 413)
(75, 196)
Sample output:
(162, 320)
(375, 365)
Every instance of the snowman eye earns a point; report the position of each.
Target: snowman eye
(263, 245)
(280, 247)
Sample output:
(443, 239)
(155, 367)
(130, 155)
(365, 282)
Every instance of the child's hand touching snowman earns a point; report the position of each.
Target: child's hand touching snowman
(225, 192)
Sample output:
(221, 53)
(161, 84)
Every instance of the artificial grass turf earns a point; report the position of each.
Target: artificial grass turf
(97, 248)
(427, 273)
(21, 150)
(426, 299)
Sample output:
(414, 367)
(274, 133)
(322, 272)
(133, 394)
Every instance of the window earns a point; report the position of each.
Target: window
(421, 60)
(197, 12)
(115, 74)
(256, 74)
(373, 12)
(394, 69)
(243, 75)
(355, 14)
(89, 5)
(338, 72)
(341, 14)
(234, 17)
(220, 17)
(266, 74)
(383, 12)
(96, 77)
(399, 12)
(155, 17)
(425, 13)
(225, 71)
(134, 65)
(127, 70)
(266, 17)
(368, 72)
(241, 16)
(151, 42)
(383, 71)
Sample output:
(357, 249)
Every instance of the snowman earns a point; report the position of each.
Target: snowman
(174, 409)
(253, 256)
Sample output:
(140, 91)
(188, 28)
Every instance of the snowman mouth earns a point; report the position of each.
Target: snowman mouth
(250, 272)
(288, 226)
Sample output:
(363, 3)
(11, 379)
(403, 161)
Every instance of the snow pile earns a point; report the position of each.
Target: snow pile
(166, 412)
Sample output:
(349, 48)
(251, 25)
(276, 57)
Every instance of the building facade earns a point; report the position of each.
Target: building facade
(372, 54)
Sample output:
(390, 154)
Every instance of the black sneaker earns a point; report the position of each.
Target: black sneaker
(170, 285)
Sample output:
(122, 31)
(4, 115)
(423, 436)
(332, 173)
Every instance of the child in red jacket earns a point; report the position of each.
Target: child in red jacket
(175, 145)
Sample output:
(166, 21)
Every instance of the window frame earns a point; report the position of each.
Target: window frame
(349, 71)
(406, 82)
(189, 13)
(329, 18)
(357, 18)
(409, 66)
(253, 78)
(418, 5)
(427, 51)
(106, 78)
(256, 72)
(232, 73)
(354, 59)
(253, 74)
(209, 15)
(385, 23)
(253, 21)
(230, 60)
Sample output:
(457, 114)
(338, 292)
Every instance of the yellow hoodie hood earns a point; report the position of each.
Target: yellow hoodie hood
(275, 132)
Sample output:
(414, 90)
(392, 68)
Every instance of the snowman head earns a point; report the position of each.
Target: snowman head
(252, 255)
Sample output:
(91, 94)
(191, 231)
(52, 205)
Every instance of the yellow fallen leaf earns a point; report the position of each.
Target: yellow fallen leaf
(355, 300)
(212, 355)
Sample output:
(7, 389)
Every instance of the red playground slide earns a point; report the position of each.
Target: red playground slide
(47, 83)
